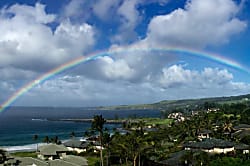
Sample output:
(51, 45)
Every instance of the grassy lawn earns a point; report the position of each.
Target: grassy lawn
(24, 154)
(157, 121)
(92, 161)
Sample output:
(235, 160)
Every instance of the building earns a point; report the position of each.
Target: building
(52, 152)
(24, 161)
(211, 146)
(76, 145)
(177, 116)
(204, 134)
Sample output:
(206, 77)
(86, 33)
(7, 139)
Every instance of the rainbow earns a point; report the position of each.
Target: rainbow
(127, 50)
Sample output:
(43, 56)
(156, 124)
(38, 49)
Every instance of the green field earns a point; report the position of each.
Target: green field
(24, 154)
(157, 121)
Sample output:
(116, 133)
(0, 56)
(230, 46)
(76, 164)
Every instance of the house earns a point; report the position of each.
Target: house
(211, 146)
(175, 159)
(203, 134)
(69, 160)
(77, 160)
(24, 161)
(76, 145)
(52, 151)
(177, 116)
(242, 127)
(243, 148)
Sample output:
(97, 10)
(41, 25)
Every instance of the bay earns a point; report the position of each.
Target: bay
(18, 125)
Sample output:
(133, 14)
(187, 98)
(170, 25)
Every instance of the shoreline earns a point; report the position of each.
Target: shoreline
(25, 148)
(108, 121)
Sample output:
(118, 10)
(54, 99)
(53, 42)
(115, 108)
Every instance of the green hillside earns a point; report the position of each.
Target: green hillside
(180, 104)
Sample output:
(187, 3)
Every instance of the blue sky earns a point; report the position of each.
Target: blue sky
(37, 36)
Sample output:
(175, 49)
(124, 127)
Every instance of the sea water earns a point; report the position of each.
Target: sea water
(18, 125)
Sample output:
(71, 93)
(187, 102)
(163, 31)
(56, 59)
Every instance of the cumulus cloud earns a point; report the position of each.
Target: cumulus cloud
(129, 20)
(175, 82)
(27, 42)
(105, 9)
(199, 24)
(131, 66)
(33, 14)
(14, 74)
(177, 76)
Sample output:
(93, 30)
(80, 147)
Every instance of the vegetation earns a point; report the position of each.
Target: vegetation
(187, 104)
(97, 125)
(141, 146)
(159, 141)
(24, 154)
(2, 156)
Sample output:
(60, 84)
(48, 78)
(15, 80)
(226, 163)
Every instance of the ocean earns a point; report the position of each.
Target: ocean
(18, 125)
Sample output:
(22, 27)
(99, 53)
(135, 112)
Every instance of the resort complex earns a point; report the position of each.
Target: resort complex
(208, 134)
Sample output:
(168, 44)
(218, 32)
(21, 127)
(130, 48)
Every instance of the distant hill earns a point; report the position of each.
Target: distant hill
(180, 104)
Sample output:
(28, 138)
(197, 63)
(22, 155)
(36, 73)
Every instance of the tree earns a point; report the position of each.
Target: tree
(55, 140)
(46, 139)
(106, 142)
(35, 138)
(72, 134)
(97, 125)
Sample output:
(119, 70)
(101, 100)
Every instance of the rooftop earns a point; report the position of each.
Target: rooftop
(52, 149)
(75, 144)
(209, 144)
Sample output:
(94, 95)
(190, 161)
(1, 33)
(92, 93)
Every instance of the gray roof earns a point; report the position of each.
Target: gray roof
(24, 161)
(175, 158)
(242, 126)
(241, 133)
(52, 149)
(241, 146)
(76, 160)
(59, 162)
(75, 144)
(209, 144)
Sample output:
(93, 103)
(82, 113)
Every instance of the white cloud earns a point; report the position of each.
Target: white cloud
(13, 74)
(33, 14)
(176, 76)
(27, 42)
(106, 9)
(208, 79)
(130, 18)
(116, 69)
(73, 8)
(83, 91)
(199, 24)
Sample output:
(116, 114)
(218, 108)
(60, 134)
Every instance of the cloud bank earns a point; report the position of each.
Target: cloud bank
(33, 41)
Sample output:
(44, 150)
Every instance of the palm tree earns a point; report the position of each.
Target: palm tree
(72, 134)
(35, 138)
(97, 125)
(107, 138)
(46, 139)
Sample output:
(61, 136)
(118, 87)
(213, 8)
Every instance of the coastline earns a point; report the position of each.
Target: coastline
(108, 121)
(25, 148)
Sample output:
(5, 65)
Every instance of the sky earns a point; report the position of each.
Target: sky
(38, 36)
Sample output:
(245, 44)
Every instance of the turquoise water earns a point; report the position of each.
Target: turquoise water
(18, 125)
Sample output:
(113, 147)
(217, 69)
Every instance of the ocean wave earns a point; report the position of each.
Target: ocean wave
(39, 119)
(30, 147)
(25, 148)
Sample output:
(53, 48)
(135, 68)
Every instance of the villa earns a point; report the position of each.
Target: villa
(52, 152)
(204, 134)
(76, 145)
(211, 146)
